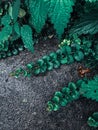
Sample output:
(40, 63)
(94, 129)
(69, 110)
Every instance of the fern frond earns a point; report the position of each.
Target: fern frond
(87, 25)
(91, 1)
(90, 89)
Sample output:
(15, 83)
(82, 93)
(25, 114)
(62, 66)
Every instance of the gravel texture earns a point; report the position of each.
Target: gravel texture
(23, 100)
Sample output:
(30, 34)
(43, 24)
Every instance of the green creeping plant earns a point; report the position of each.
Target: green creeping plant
(86, 88)
(76, 20)
(93, 120)
(68, 53)
(63, 97)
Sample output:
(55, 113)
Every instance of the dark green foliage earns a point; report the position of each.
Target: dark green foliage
(88, 24)
(79, 56)
(67, 54)
(22, 21)
(11, 50)
(35, 13)
(63, 97)
(15, 14)
(93, 120)
(5, 34)
(90, 89)
(85, 88)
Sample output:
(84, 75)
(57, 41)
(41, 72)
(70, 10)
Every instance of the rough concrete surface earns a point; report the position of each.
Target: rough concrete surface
(23, 101)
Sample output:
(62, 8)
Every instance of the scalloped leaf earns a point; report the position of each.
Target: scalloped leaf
(26, 35)
(60, 13)
(38, 10)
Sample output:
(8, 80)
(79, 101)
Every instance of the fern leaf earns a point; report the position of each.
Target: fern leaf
(91, 1)
(90, 89)
(38, 10)
(87, 25)
(15, 10)
(59, 13)
(26, 35)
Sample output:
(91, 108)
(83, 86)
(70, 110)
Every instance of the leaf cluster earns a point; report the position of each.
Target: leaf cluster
(86, 88)
(78, 19)
(70, 52)
(32, 15)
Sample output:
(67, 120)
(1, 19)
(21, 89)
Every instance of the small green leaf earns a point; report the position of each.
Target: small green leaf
(55, 107)
(30, 65)
(40, 62)
(46, 58)
(78, 56)
(56, 64)
(37, 71)
(56, 99)
(66, 50)
(53, 55)
(49, 106)
(63, 102)
(70, 59)
(64, 60)
(59, 94)
(50, 66)
(43, 68)
(15, 52)
(66, 90)
(95, 116)
(92, 122)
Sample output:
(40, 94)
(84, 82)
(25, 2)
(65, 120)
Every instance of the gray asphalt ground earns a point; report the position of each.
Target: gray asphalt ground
(23, 100)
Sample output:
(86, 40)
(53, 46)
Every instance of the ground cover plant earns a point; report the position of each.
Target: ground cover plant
(73, 22)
